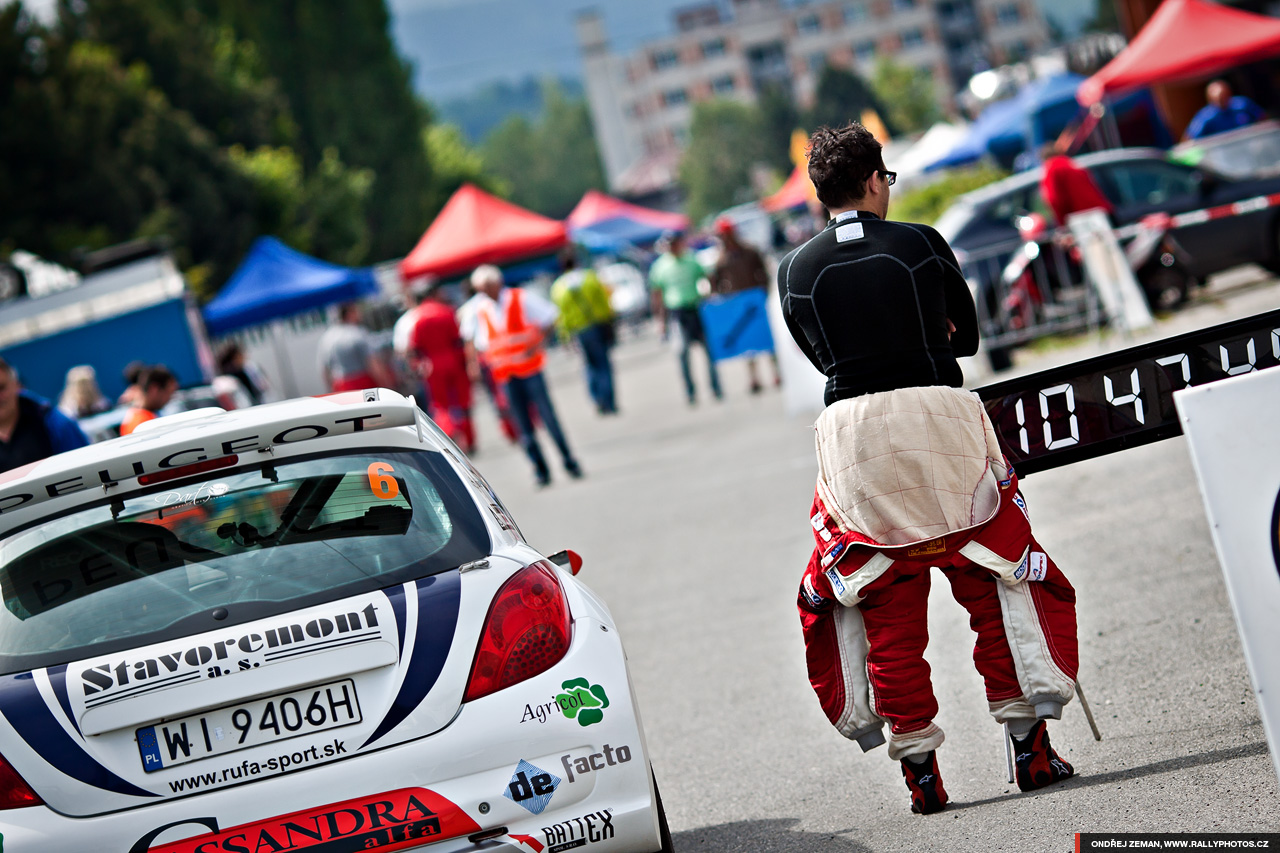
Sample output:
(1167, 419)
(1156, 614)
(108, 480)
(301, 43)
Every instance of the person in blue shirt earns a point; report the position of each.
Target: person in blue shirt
(1223, 112)
(31, 428)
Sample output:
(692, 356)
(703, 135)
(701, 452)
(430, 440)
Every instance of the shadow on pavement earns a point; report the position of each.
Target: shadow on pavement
(1167, 766)
(761, 836)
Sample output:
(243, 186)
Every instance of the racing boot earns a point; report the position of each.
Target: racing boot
(925, 783)
(1037, 765)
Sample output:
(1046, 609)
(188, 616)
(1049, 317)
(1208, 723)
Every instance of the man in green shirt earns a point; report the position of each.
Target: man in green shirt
(673, 280)
(585, 314)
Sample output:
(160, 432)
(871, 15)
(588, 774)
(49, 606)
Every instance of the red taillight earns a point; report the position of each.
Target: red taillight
(15, 793)
(526, 632)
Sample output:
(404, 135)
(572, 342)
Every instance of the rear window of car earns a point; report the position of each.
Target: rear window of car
(230, 547)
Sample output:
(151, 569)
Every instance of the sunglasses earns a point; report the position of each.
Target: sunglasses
(890, 178)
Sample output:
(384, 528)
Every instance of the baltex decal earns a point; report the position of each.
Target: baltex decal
(394, 820)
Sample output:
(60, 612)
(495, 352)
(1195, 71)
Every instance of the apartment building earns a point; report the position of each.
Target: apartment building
(642, 102)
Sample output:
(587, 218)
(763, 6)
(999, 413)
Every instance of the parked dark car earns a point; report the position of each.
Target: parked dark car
(1138, 181)
(981, 225)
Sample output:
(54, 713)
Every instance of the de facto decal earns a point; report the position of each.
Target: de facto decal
(394, 820)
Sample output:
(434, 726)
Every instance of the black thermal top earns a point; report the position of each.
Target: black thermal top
(868, 301)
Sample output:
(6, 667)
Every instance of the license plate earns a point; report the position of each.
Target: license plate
(288, 715)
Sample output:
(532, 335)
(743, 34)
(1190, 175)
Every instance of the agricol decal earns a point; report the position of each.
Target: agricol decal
(583, 701)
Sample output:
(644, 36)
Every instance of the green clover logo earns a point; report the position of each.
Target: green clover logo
(583, 700)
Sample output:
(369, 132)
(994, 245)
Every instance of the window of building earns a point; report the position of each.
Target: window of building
(1008, 14)
(713, 47)
(854, 13)
(680, 135)
(723, 85)
(817, 61)
(808, 24)
(912, 38)
(865, 51)
(665, 58)
(903, 5)
(674, 97)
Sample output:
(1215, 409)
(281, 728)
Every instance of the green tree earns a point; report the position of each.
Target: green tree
(841, 97)
(725, 142)
(550, 163)
(779, 119)
(347, 89)
(454, 163)
(909, 94)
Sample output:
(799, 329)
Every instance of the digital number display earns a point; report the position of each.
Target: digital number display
(1123, 399)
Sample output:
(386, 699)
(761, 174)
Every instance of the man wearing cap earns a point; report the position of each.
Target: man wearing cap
(740, 267)
(673, 281)
(506, 330)
(911, 478)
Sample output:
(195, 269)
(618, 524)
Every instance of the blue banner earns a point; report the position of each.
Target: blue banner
(737, 325)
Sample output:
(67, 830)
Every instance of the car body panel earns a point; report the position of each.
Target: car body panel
(88, 734)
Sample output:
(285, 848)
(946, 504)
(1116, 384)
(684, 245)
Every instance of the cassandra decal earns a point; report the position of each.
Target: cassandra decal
(393, 820)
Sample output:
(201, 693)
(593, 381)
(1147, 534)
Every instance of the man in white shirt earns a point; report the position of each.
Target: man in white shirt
(505, 328)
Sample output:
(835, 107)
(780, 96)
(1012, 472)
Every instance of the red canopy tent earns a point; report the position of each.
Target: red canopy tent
(1183, 40)
(798, 190)
(596, 207)
(477, 228)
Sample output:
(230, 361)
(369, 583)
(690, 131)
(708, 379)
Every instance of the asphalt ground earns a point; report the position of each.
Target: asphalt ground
(692, 522)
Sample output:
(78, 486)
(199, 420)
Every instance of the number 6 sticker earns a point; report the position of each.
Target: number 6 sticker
(380, 484)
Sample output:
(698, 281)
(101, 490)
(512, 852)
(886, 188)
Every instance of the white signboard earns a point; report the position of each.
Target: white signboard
(1108, 270)
(1231, 430)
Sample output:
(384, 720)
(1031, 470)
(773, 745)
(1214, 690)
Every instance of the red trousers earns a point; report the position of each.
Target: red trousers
(866, 656)
(450, 392)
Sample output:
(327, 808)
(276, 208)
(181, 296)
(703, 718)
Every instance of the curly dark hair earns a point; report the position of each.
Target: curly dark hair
(840, 162)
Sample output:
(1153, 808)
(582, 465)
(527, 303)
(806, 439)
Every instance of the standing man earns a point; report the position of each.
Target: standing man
(347, 357)
(1223, 112)
(912, 477)
(740, 268)
(673, 279)
(1067, 187)
(507, 331)
(158, 384)
(435, 349)
(585, 314)
(31, 429)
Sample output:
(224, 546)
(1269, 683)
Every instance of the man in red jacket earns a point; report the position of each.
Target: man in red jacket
(1068, 188)
(435, 346)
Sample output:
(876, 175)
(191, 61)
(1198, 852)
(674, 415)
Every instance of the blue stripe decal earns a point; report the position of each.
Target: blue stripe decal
(24, 708)
(438, 599)
(58, 679)
(396, 595)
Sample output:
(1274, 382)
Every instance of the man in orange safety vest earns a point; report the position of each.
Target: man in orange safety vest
(507, 331)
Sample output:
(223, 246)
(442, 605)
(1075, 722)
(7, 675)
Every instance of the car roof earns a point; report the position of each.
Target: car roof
(203, 436)
(1000, 188)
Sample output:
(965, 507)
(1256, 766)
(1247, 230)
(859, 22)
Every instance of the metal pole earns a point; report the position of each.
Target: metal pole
(1008, 752)
(1084, 703)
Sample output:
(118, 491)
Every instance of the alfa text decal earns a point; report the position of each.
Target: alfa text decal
(394, 820)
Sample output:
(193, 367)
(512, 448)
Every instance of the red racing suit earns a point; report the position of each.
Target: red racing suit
(863, 610)
(437, 344)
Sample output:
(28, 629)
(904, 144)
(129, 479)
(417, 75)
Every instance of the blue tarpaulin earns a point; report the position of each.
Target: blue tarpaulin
(737, 325)
(275, 281)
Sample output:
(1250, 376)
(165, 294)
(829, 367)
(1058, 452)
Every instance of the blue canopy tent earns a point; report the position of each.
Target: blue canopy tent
(614, 235)
(1038, 113)
(275, 281)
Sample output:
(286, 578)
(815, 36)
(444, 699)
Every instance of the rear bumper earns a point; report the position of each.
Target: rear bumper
(522, 759)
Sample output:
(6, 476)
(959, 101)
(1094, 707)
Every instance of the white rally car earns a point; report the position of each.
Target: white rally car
(304, 626)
